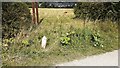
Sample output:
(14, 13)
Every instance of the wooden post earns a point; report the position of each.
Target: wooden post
(33, 11)
(37, 12)
(35, 17)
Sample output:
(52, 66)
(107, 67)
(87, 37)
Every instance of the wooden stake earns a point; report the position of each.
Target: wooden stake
(37, 13)
(33, 11)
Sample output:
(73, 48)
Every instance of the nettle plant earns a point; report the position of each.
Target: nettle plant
(96, 39)
(65, 38)
(27, 42)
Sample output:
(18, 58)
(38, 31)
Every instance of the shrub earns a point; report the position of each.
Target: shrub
(98, 11)
(29, 4)
(15, 16)
(96, 40)
(65, 38)
(82, 37)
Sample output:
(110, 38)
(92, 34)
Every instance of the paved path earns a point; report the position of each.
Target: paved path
(107, 59)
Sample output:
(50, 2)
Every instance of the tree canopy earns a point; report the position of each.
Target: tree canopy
(98, 10)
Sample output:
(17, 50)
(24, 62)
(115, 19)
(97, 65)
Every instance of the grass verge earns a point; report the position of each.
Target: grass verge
(83, 41)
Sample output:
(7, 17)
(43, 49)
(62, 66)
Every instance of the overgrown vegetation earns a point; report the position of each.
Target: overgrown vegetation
(68, 39)
(65, 39)
(15, 17)
(76, 38)
(98, 11)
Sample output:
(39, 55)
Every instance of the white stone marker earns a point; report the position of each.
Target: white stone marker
(44, 41)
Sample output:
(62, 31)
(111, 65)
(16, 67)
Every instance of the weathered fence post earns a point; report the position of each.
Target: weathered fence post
(35, 18)
(33, 12)
(37, 12)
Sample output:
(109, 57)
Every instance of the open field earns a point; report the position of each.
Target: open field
(56, 23)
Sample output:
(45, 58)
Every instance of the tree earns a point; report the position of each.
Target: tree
(98, 10)
(15, 16)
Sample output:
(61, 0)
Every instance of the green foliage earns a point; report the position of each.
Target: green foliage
(98, 11)
(78, 37)
(81, 44)
(29, 4)
(28, 42)
(65, 40)
(25, 42)
(92, 37)
(15, 16)
(8, 41)
(96, 40)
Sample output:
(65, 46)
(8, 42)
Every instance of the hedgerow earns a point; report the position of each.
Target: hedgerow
(15, 17)
(98, 11)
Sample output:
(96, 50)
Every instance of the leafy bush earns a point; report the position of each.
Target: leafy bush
(98, 11)
(96, 40)
(82, 37)
(15, 16)
(29, 4)
(65, 39)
